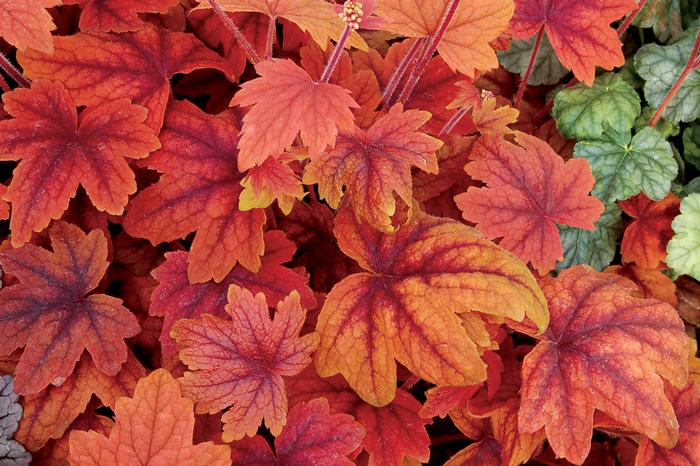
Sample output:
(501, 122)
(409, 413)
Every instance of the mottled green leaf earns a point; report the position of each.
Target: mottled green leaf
(664, 16)
(691, 145)
(624, 167)
(684, 248)
(547, 68)
(610, 105)
(660, 67)
(665, 127)
(595, 248)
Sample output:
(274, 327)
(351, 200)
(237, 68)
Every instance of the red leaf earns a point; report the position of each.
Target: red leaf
(99, 67)
(51, 314)
(122, 16)
(645, 239)
(312, 436)
(605, 350)
(60, 149)
(199, 191)
(529, 189)
(26, 23)
(176, 298)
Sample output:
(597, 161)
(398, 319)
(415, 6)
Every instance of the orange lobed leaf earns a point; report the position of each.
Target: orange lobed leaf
(199, 191)
(529, 189)
(51, 314)
(285, 102)
(99, 67)
(652, 282)
(490, 119)
(646, 237)
(176, 298)
(604, 350)
(465, 46)
(272, 180)
(60, 150)
(154, 428)
(395, 432)
(374, 164)
(240, 363)
(117, 16)
(312, 436)
(26, 23)
(404, 306)
(579, 32)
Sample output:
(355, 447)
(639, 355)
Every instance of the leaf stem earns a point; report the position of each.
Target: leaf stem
(410, 57)
(337, 53)
(271, 29)
(530, 66)
(452, 122)
(231, 26)
(13, 72)
(3, 84)
(434, 41)
(692, 65)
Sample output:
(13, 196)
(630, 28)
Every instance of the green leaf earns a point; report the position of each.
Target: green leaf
(610, 105)
(691, 145)
(660, 67)
(547, 68)
(624, 167)
(665, 127)
(664, 16)
(684, 248)
(595, 248)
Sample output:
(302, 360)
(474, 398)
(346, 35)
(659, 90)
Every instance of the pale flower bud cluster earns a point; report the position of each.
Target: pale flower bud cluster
(352, 14)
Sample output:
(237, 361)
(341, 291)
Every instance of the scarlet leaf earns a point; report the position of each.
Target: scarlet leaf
(529, 190)
(374, 164)
(312, 436)
(153, 428)
(60, 150)
(122, 16)
(176, 298)
(51, 314)
(645, 239)
(285, 102)
(419, 276)
(199, 190)
(604, 350)
(256, 352)
(99, 67)
(579, 32)
(26, 23)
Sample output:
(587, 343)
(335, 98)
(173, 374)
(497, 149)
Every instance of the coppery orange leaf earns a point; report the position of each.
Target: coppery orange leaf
(117, 15)
(651, 282)
(26, 23)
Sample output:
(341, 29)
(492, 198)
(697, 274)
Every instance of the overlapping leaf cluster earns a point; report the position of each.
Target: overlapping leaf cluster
(373, 232)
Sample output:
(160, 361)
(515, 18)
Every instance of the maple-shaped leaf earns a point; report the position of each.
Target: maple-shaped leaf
(686, 404)
(12, 453)
(610, 105)
(653, 283)
(660, 66)
(272, 180)
(257, 352)
(404, 306)
(604, 350)
(489, 119)
(285, 102)
(52, 315)
(117, 15)
(683, 253)
(99, 67)
(153, 428)
(546, 70)
(374, 164)
(529, 189)
(395, 432)
(60, 150)
(646, 237)
(49, 413)
(579, 32)
(312, 436)
(176, 298)
(198, 191)
(594, 248)
(465, 45)
(317, 17)
(624, 166)
(26, 24)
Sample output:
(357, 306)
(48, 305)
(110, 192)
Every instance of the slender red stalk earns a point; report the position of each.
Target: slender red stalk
(13, 72)
(400, 70)
(692, 65)
(337, 53)
(430, 49)
(530, 66)
(443, 439)
(3, 84)
(271, 29)
(452, 122)
(231, 26)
